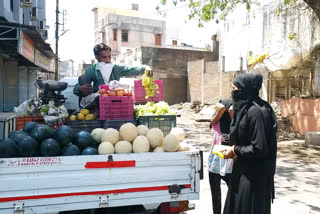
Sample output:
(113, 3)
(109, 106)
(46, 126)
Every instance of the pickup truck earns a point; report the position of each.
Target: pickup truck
(70, 183)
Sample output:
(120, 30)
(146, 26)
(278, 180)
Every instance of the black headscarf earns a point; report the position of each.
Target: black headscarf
(248, 91)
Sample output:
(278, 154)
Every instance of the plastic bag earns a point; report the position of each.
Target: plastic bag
(86, 101)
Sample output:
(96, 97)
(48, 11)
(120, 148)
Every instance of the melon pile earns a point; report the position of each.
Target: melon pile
(132, 139)
(38, 140)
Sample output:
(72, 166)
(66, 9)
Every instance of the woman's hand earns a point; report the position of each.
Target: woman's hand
(229, 153)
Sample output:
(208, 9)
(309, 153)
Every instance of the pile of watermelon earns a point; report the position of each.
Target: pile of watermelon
(38, 140)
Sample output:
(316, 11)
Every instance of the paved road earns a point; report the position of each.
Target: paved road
(297, 189)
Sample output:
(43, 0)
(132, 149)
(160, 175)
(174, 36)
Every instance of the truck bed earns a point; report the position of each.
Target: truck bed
(53, 184)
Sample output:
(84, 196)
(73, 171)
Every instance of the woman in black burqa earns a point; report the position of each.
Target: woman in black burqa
(254, 147)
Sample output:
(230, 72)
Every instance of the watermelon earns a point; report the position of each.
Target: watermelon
(83, 139)
(50, 147)
(17, 136)
(28, 147)
(29, 126)
(8, 148)
(64, 135)
(42, 132)
(89, 151)
(70, 150)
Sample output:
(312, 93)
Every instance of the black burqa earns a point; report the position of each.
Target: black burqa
(253, 132)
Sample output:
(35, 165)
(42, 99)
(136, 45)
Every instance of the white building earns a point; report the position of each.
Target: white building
(24, 55)
(124, 30)
(289, 35)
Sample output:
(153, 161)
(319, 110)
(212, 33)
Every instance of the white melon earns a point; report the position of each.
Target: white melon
(171, 143)
(110, 135)
(123, 147)
(105, 148)
(155, 137)
(141, 144)
(128, 132)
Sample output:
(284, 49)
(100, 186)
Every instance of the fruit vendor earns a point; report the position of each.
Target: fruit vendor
(104, 71)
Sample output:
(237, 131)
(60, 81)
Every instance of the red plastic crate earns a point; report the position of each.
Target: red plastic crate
(140, 93)
(20, 121)
(116, 107)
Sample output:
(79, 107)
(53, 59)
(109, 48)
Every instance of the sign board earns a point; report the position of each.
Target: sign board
(43, 61)
(26, 47)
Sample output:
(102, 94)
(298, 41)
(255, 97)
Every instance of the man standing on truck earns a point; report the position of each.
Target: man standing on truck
(104, 71)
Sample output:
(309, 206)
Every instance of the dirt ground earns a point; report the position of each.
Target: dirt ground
(297, 180)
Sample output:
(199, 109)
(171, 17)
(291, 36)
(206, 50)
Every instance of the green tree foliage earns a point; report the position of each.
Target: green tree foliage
(207, 10)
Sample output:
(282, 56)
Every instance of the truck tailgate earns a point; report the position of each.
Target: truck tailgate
(52, 184)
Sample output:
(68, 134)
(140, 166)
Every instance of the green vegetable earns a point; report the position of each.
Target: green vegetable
(151, 108)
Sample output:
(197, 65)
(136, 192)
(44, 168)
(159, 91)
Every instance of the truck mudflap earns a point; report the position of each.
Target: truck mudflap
(52, 184)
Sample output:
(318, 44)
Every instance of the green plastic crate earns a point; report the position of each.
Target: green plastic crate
(84, 125)
(163, 122)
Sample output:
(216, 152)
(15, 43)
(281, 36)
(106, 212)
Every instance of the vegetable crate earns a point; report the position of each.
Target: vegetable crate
(20, 121)
(116, 107)
(84, 125)
(116, 124)
(7, 124)
(140, 93)
(163, 122)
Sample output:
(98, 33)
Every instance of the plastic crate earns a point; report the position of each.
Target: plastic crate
(20, 121)
(140, 93)
(116, 107)
(163, 122)
(116, 124)
(84, 125)
(104, 87)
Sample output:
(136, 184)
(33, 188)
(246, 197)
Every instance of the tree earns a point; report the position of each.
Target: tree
(207, 10)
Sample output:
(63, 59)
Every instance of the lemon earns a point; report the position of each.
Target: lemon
(90, 117)
(80, 116)
(84, 111)
(73, 117)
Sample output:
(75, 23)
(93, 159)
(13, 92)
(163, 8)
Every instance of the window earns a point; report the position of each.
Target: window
(135, 7)
(115, 34)
(124, 35)
(103, 37)
(158, 39)
(174, 42)
(11, 5)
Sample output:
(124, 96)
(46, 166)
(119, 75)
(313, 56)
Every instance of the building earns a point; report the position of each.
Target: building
(289, 35)
(66, 69)
(171, 66)
(124, 29)
(24, 55)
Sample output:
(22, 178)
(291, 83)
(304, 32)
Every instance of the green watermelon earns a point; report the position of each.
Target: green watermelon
(70, 150)
(29, 126)
(8, 148)
(17, 136)
(42, 132)
(64, 135)
(50, 147)
(28, 147)
(89, 151)
(83, 140)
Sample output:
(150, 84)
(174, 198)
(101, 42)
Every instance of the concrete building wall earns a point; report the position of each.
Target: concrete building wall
(10, 87)
(206, 82)
(171, 66)
(288, 37)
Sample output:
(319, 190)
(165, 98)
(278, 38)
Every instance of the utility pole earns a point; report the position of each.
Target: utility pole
(56, 76)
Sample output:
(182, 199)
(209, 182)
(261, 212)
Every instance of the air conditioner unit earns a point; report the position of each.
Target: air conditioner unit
(26, 3)
(34, 14)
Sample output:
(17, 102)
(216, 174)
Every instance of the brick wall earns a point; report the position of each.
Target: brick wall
(208, 82)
